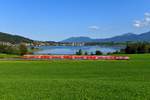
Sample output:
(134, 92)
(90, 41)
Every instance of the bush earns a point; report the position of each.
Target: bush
(86, 53)
(92, 53)
(98, 52)
(79, 52)
(9, 49)
(23, 49)
(17, 50)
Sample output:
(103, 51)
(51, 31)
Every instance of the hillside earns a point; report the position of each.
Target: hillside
(121, 38)
(5, 37)
(78, 39)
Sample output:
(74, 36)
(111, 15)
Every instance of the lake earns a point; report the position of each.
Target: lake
(73, 49)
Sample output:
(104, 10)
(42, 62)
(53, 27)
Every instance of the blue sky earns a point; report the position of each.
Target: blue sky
(60, 19)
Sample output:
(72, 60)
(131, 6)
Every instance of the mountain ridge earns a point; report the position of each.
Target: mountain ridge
(120, 38)
(14, 39)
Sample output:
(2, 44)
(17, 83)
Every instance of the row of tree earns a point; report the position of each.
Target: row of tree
(17, 50)
(135, 48)
(80, 52)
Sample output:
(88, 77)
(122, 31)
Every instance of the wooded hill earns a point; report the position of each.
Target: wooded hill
(14, 39)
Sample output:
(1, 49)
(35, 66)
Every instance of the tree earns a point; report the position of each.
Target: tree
(79, 52)
(6, 49)
(98, 52)
(131, 49)
(139, 48)
(2, 48)
(23, 49)
(86, 53)
(92, 53)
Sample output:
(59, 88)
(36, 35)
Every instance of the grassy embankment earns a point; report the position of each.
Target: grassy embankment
(3, 56)
(76, 80)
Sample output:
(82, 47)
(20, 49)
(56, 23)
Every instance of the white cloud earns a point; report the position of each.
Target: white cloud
(147, 19)
(94, 28)
(147, 14)
(144, 22)
(138, 24)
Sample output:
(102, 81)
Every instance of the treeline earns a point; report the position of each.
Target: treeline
(135, 48)
(16, 50)
(104, 43)
(80, 52)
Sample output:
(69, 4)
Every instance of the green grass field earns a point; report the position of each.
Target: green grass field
(76, 80)
(3, 56)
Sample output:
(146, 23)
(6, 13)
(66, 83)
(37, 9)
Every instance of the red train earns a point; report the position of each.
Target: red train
(84, 57)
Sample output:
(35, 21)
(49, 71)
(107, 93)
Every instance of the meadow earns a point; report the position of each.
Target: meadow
(76, 80)
(6, 56)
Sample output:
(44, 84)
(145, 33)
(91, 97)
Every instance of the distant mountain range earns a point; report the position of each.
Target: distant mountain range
(121, 38)
(78, 39)
(15, 39)
(5, 37)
